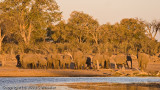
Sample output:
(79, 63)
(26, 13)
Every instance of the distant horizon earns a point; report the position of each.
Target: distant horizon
(113, 11)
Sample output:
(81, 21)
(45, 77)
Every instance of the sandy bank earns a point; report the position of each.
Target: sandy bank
(104, 86)
(16, 72)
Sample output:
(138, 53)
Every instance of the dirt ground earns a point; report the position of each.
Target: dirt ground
(10, 70)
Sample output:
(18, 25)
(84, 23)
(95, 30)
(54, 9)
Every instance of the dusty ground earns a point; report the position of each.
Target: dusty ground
(10, 70)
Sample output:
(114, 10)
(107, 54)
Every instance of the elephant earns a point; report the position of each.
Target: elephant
(18, 61)
(50, 61)
(98, 59)
(129, 58)
(29, 61)
(89, 62)
(66, 60)
(2, 60)
(143, 60)
(54, 61)
(59, 61)
(42, 61)
(79, 60)
(106, 62)
(32, 61)
(121, 59)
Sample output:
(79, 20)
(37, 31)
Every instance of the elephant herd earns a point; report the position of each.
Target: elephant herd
(78, 60)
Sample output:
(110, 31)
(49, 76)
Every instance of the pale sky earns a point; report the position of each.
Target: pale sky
(113, 10)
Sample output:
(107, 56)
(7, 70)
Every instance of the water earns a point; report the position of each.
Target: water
(21, 81)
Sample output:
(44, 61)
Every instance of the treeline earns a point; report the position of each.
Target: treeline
(36, 26)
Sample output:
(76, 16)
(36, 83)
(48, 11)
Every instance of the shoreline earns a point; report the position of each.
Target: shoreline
(16, 72)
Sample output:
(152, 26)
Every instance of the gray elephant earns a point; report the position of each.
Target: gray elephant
(42, 61)
(129, 58)
(79, 60)
(106, 62)
(54, 61)
(121, 60)
(143, 60)
(66, 60)
(2, 60)
(98, 59)
(29, 61)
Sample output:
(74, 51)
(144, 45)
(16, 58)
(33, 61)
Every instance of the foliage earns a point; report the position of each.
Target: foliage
(29, 26)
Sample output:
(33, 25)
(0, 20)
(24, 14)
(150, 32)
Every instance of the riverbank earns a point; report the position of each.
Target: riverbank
(10, 70)
(5, 72)
(103, 86)
(16, 72)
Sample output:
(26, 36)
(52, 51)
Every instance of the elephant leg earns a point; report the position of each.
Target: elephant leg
(34, 66)
(52, 65)
(84, 66)
(69, 65)
(142, 66)
(94, 66)
(127, 64)
(24, 66)
(123, 66)
(131, 64)
(61, 65)
(47, 65)
(97, 65)
(102, 64)
(107, 65)
(78, 65)
(145, 66)
(64, 66)
(75, 65)
(105, 62)
(115, 66)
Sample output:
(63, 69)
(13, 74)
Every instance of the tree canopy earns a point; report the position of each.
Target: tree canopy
(36, 26)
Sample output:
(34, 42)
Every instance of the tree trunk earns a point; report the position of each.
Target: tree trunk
(29, 34)
(1, 39)
(25, 37)
(97, 65)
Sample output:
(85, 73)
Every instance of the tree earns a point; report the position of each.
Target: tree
(123, 36)
(60, 32)
(152, 28)
(81, 25)
(134, 32)
(31, 15)
(6, 26)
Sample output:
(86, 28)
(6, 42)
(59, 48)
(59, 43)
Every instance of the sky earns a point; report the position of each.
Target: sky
(113, 11)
